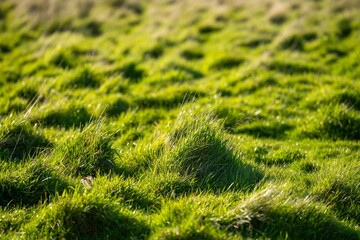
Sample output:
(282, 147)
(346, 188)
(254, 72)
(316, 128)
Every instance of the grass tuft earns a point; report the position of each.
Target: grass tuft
(264, 216)
(36, 184)
(196, 148)
(88, 152)
(85, 217)
(336, 122)
(20, 140)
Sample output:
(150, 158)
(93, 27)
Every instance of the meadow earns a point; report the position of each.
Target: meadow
(180, 119)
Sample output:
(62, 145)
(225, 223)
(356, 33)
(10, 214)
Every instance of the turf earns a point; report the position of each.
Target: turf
(129, 119)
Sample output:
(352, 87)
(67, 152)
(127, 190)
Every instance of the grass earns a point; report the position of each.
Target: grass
(179, 119)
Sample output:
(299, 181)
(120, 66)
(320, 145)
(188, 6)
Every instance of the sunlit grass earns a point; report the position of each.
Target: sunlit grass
(179, 119)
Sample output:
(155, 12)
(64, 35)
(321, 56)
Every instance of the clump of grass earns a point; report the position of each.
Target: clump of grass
(344, 198)
(37, 183)
(339, 189)
(265, 214)
(19, 140)
(196, 147)
(133, 194)
(336, 122)
(12, 220)
(89, 152)
(190, 218)
(170, 184)
(350, 98)
(187, 218)
(139, 157)
(88, 216)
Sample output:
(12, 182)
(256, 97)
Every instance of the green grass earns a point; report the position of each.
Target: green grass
(179, 119)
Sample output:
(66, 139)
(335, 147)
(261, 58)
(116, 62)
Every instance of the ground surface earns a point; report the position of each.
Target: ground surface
(174, 119)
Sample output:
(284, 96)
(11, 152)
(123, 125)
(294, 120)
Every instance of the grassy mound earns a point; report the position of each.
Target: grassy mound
(333, 122)
(88, 152)
(263, 215)
(37, 183)
(197, 149)
(88, 217)
(20, 140)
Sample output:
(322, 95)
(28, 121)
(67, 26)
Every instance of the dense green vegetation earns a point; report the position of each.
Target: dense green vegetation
(180, 119)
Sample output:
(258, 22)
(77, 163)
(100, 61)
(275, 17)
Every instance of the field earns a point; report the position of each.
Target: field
(180, 119)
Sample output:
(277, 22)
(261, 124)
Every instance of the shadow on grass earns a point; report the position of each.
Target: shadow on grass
(84, 78)
(194, 74)
(191, 55)
(85, 217)
(36, 185)
(89, 152)
(344, 199)
(65, 118)
(20, 142)
(214, 165)
(198, 151)
(268, 217)
(274, 130)
(170, 100)
(293, 68)
(227, 63)
(132, 72)
(118, 107)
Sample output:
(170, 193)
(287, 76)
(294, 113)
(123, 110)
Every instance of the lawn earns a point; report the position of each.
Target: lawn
(180, 119)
